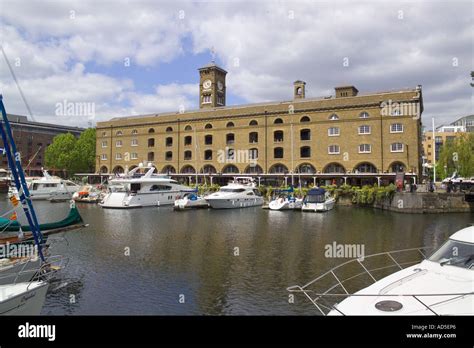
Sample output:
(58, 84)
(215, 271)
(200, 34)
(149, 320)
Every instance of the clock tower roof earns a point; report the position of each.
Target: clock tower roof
(212, 65)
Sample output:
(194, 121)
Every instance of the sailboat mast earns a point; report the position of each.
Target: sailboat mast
(19, 178)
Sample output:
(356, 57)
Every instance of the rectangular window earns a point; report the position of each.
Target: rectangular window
(396, 147)
(333, 149)
(103, 157)
(364, 129)
(396, 128)
(134, 156)
(118, 143)
(365, 148)
(134, 142)
(333, 131)
(118, 156)
(206, 99)
(104, 143)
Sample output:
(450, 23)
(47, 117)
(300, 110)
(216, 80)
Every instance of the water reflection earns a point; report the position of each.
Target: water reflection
(223, 262)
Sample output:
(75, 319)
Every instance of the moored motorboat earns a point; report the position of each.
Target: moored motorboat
(49, 188)
(190, 200)
(88, 194)
(23, 298)
(134, 190)
(318, 200)
(239, 193)
(284, 200)
(441, 284)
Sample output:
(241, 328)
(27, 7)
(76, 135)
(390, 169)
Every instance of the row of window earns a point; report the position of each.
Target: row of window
(305, 134)
(332, 117)
(278, 152)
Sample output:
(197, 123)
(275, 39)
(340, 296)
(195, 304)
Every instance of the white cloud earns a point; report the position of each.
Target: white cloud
(274, 44)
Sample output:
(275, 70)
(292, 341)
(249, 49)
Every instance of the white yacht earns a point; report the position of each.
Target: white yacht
(23, 298)
(239, 193)
(134, 190)
(285, 201)
(318, 200)
(442, 284)
(49, 187)
(190, 200)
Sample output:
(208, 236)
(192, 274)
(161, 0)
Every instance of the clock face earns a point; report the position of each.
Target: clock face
(220, 85)
(207, 84)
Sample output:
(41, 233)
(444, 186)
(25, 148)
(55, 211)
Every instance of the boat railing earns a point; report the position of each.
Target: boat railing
(32, 268)
(325, 291)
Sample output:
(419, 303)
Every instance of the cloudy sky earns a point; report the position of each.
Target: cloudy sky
(126, 58)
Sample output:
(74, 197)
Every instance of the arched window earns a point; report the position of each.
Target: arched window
(278, 136)
(365, 168)
(333, 117)
(305, 134)
(278, 169)
(103, 169)
(118, 170)
(397, 167)
(134, 132)
(230, 124)
(305, 119)
(253, 137)
(119, 133)
(151, 130)
(188, 155)
(306, 168)
(253, 123)
(208, 155)
(278, 152)
(208, 126)
(334, 168)
(253, 169)
(188, 170)
(209, 169)
(230, 168)
(278, 121)
(188, 128)
(305, 152)
(168, 170)
(364, 114)
(169, 129)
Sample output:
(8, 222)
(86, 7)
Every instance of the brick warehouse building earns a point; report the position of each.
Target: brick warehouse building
(31, 139)
(345, 135)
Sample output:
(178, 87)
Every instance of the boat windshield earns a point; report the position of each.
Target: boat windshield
(315, 199)
(232, 190)
(455, 253)
(117, 188)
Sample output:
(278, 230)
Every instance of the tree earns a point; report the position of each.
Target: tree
(72, 154)
(60, 154)
(84, 152)
(458, 156)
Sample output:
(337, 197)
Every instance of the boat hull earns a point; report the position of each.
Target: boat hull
(234, 203)
(319, 207)
(122, 200)
(23, 298)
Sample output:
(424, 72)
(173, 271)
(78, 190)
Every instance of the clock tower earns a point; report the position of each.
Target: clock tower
(211, 86)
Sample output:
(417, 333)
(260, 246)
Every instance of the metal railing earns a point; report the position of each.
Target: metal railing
(326, 300)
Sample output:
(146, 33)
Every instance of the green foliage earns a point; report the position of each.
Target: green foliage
(457, 155)
(72, 154)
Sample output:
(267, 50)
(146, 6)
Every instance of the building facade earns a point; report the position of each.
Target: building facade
(345, 133)
(31, 139)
